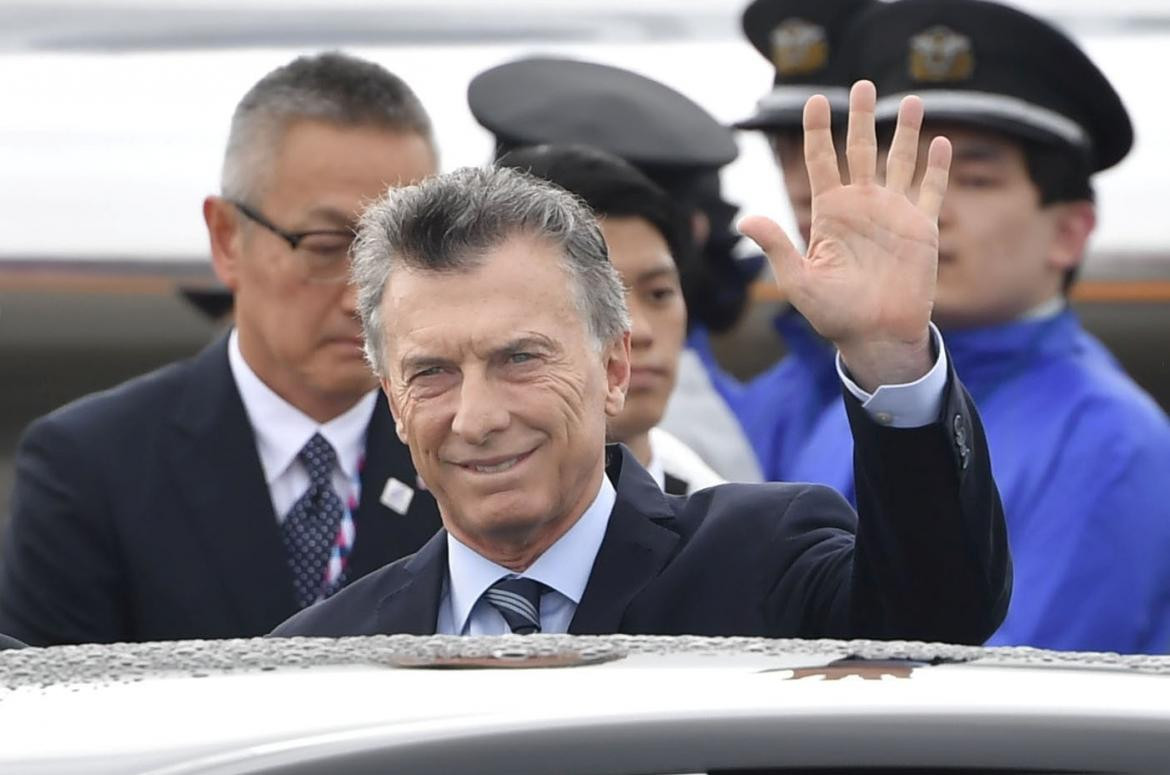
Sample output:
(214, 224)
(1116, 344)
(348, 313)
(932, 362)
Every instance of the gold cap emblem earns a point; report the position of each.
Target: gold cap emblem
(799, 48)
(941, 54)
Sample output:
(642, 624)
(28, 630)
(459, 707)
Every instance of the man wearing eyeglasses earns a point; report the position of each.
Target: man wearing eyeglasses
(220, 495)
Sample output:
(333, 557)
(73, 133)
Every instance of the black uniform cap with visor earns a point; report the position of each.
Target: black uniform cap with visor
(666, 135)
(554, 100)
(801, 40)
(982, 64)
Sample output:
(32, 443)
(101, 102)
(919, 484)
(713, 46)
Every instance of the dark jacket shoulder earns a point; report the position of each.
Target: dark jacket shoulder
(120, 411)
(354, 609)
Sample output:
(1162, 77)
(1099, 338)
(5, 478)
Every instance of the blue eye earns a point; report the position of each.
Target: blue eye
(520, 357)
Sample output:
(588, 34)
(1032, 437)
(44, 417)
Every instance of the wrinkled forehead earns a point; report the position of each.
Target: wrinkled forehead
(517, 286)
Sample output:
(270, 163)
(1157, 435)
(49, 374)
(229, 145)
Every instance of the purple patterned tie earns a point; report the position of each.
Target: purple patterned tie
(310, 529)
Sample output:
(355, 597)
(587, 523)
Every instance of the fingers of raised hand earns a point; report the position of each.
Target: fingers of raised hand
(861, 141)
(819, 155)
(903, 156)
(782, 255)
(934, 181)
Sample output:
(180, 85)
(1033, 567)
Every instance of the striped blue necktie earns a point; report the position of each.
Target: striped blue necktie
(518, 601)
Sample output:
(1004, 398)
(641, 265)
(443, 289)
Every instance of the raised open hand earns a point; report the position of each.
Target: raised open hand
(868, 281)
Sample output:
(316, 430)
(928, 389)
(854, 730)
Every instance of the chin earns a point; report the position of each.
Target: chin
(506, 516)
(958, 317)
(637, 418)
(948, 305)
(352, 381)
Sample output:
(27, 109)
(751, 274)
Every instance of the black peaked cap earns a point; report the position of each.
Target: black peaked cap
(552, 100)
(801, 40)
(984, 64)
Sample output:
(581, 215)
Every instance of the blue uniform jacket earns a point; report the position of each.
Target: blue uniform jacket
(1080, 453)
(779, 408)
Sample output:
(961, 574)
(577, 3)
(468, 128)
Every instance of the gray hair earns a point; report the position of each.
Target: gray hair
(331, 87)
(448, 222)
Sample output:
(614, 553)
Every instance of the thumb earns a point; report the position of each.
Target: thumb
(784, 258)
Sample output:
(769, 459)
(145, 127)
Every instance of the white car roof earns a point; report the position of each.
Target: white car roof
(617, 704)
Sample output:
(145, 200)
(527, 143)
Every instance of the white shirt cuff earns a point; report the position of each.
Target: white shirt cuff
(910, 405)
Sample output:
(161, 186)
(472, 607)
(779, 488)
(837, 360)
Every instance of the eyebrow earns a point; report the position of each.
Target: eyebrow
(654, 274)
(532, 341)
(412, 363)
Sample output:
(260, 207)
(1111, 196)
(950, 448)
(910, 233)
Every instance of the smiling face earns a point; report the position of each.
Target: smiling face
(1001, 253)
(658, 315)
(502, 395)
(301, 336)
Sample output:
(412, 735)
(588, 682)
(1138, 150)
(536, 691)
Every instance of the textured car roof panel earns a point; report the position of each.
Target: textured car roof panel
(226, 706)
(129, 662)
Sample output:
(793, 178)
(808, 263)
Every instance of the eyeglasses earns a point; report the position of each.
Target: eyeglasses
(325, 252)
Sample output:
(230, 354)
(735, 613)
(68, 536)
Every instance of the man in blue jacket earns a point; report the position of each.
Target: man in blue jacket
(1079, 452)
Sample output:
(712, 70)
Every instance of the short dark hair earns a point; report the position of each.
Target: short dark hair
(610, 186)
(1060, 174)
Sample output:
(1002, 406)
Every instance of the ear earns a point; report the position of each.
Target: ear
(617, 374)
(224, 234)
(399, 426)
(1072, 223)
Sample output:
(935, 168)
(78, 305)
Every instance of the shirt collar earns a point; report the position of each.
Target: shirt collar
(1046, 310)
(655, 467)
(565, 566)
(282, 430)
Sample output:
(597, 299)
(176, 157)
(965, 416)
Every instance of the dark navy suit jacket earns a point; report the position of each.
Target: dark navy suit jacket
(142, 513)
(927, 559)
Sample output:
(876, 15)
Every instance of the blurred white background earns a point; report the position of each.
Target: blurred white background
(115, 113)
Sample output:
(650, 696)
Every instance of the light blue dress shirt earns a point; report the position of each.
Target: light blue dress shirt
(565, 566)
(911, 405)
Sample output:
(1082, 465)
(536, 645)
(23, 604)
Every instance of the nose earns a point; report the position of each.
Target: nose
(482, 410)
(349, 299)
(641, 332)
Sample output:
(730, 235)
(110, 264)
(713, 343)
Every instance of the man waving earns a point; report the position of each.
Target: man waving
(499, 332)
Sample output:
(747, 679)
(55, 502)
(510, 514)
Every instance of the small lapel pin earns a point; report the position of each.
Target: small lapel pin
(397, 496)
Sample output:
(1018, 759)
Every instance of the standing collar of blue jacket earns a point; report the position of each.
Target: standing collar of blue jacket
(987, 356)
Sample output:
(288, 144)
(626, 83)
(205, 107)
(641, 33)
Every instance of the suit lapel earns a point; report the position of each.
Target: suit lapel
(638, 543)
(411, 603)
(385, 534)
(220, 489)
